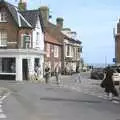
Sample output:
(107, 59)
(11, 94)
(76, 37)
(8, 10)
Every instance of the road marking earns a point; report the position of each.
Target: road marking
(3, 97)
(2, 115)
(1, 110)
(100, 96)
(1, 102)
(0, 106)
(116, 102)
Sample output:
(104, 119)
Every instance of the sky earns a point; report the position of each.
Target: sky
(93, 20)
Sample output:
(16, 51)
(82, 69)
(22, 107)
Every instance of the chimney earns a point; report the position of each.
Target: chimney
(22, 5)
(45, 14)
(59, 22)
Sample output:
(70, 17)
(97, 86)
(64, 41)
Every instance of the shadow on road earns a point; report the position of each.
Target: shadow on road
(67, 100)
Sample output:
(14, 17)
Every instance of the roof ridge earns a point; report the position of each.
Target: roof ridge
(34, 10)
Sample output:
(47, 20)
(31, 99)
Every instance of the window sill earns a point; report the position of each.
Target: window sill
(3, 46)
(3, 21)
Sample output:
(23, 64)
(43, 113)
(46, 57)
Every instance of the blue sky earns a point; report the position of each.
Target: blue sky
(93, 20)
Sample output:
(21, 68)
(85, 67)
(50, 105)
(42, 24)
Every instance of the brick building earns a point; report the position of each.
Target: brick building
(117, 44)
(21, 42)
(53, 40)
(72, 51)
(57, 40)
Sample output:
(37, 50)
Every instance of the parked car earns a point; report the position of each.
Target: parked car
(97, 73)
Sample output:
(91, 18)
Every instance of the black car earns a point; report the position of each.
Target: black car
(97, 73)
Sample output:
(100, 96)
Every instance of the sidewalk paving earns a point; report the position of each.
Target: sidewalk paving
(86, 85)
(3, 91)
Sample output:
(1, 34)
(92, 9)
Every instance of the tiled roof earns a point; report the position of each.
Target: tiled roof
(50, 39)
(31, 16)
(17, 16)
(54, 32)
(71, 39)
(23, 19)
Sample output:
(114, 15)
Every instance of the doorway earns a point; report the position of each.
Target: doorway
(25, 69)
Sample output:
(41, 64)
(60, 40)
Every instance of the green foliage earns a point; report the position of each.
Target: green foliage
(21, 6)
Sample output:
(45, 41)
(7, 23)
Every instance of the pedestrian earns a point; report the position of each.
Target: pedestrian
(57, 73)
(47, 72)
(108, 84)
(78, 78)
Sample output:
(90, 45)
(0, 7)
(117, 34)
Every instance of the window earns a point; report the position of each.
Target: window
(78, 49)
(3, 17)
(7, 65)
(3, 38)
(56, 51)
(68, 50)
(48, 50)
(26, 41)
(37, 38)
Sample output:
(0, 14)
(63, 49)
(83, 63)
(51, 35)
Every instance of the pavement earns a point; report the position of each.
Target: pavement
(84, 85)
(3, 91)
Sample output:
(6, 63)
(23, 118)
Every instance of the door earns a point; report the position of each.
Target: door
(25, 69)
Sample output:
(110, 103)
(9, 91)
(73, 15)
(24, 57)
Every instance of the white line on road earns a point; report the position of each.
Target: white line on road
(1, 102)
(2, 115)
(114, 101)
(1, 110)
(3, 97)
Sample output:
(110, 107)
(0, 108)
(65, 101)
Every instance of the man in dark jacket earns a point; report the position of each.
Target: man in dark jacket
(108, 83)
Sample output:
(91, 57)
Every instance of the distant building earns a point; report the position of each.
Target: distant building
(72, 51)
(53, 41)
(117, 43)
(62, 46)
(21, 42)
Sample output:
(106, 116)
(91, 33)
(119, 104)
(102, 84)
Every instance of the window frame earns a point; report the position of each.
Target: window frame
(26, 43)
(3, 16)
(3, 38)
(47, 50)
(56, 51)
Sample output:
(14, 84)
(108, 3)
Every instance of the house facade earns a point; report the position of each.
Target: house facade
(53, 42)
(61, 45)
(72, 51)
(21, 42)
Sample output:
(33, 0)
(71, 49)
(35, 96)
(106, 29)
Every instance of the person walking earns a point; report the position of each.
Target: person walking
(108, 84)
(47, 71)
(57, 73)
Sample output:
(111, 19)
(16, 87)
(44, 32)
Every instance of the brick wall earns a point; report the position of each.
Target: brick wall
(13, 32)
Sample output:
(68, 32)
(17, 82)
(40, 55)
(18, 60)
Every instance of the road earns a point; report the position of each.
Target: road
(31, 101)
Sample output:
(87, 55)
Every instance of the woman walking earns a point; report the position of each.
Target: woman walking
(108, 84)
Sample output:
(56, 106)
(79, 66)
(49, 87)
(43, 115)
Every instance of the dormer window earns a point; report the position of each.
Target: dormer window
(3, 17)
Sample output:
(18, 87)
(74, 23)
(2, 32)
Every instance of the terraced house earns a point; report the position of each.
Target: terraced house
(72, 51)
(62, 46)
(53, 40)
(21, 42)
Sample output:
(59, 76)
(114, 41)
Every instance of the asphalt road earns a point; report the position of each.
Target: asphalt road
(31, 101)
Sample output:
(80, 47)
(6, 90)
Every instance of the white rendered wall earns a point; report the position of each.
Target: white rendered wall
(38, 29)
(19, 73)
(31, 65)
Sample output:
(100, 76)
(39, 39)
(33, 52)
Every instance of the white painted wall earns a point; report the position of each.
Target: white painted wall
(40, 43)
